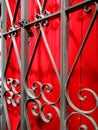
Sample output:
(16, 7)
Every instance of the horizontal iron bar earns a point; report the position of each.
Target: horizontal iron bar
(79, 6)
(68, 10)
(42, 19)
(8, 33)
(32, 23)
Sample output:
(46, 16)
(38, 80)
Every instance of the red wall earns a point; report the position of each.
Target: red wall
(84, 75)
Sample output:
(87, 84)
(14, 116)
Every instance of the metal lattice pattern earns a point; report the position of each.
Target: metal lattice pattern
(41, 21)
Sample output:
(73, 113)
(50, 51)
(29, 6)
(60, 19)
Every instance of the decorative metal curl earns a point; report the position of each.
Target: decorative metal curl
(12, 95)
(82, 99)
(47, 87)
(37, 85)
(87, 9)
(38, 106)
(48, 117)
(12, 31)
(83, 126)
(43, 22)
(13, 83)
(31, 93)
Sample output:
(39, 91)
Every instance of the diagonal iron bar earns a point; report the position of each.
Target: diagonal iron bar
(33, 55)
(82, 45)
(9, 55)
(46, 43)
(13, 39)
(9, 10)
(49, 53)
(15, 12)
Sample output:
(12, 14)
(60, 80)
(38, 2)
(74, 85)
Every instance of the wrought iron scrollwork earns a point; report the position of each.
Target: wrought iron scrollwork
(38, 106)
(82, 126)
(12, 95)
(39, 90)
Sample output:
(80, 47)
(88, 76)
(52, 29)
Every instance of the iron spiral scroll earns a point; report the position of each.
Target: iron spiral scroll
(38, 107)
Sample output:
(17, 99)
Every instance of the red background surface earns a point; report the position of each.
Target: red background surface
(84, 76)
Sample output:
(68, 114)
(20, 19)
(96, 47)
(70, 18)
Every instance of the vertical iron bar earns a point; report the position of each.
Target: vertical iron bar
(3, 61)
(24, 59)
(64, 64)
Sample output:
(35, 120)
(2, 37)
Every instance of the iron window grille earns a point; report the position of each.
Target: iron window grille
(40, 21)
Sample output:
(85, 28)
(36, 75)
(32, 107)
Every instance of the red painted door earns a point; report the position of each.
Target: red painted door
(44, 66)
